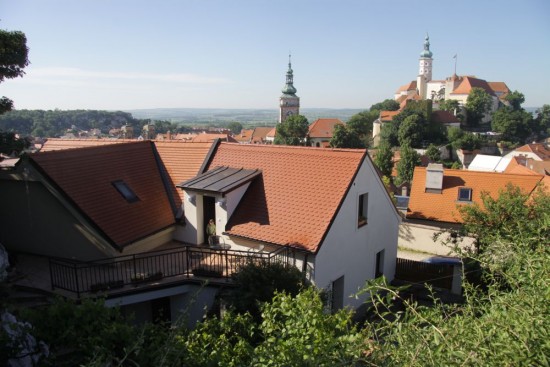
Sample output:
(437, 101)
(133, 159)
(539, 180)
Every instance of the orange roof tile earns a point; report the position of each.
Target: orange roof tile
(538, 149)
(271, 133)
(469, 82)
(259, 134)
(86, 177)
(407, 87)
(444, 117)
(59, 144)
(245, 136)
(182, 161)
(442, 206)
(386, 116)
(323, 128)
(284, 205)
(499, 88)
(210, 137)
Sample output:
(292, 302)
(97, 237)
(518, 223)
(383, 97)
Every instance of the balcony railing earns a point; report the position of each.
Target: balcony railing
(189, 262)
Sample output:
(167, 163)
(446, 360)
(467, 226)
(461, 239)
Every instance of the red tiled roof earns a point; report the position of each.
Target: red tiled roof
(407, 87)
(499, 88)
(285, 205)
(469, 82)
(60, 144)
(260, 133)
(442, 206)
(538, 149)
(210, 137)
(244, 136)
(271, 133)
(444, 117)
(323, 128)
(386, 116)
(86, 176)
(182, 161)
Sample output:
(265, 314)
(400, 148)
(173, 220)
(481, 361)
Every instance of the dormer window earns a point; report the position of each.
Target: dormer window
(125, 190)
(464, 194)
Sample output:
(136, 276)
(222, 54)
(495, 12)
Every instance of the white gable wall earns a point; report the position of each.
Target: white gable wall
(350, 251)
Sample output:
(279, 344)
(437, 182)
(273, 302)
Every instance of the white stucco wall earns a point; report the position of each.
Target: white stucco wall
(350, 251)
(419, 237)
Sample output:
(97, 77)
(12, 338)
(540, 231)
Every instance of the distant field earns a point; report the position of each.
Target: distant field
(194, 116)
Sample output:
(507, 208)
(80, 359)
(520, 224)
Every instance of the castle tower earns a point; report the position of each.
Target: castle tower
(424, 68)
(289, 102)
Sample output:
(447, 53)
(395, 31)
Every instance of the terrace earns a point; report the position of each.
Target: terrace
(133, 273)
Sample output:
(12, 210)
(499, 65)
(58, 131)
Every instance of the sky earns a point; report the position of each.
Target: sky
(133, 54)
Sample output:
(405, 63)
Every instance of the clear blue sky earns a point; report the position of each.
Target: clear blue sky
(129, 54)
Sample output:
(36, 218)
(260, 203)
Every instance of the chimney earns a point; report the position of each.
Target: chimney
(434, 178)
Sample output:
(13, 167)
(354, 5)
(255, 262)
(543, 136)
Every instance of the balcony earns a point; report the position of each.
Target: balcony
(133, 273)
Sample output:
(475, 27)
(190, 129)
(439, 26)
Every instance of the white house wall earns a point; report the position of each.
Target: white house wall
(350, 251)
(420, 238)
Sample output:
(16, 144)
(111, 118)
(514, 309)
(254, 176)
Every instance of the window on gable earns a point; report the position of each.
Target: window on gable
(125, 190)
(363, 208)
(464, 194)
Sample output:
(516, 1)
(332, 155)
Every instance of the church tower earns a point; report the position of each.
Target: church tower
(289, 102)
(425, 68)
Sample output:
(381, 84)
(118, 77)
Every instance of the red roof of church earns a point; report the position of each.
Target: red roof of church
(469, 82)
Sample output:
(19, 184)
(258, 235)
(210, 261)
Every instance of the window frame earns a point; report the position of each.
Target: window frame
(464, 189)
(125, 191)
(362, 209)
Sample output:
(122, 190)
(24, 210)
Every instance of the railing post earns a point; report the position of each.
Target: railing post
(51, 273)
(76, 279)
(188, 269)
(135, 269)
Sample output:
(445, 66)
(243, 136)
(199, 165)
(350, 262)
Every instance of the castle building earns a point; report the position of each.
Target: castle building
(454, 87)
(289, 102)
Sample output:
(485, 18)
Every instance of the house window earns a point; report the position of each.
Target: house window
(379, 267)
(464, 194)
(363, 208)
(125, 191)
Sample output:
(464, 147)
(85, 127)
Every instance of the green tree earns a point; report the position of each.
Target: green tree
(411, 131)
(10, 144)
(343, 137)
(449, 105)
(256, 283)
(460, 139)
(477, 104)
(515, 99)
(293, 131)
(13, 59)
(541, 124)
(235, 127)
(405, 167)
(385, 105)
(513, 124)
(384, 158)
(389, 133)
(433, 153)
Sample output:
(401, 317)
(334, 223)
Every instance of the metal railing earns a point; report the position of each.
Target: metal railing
(108, 275)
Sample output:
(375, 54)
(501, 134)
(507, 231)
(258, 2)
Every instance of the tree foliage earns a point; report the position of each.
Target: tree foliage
(256, 283)
(477, 105)
(385, 105)
(515, 99)
(541, 124)
(292, 131)
(235, 127)
(433, 154)
(410, 131)
(449, 105)
(344, 137)
(13, 59)
(405, 167)
(514, 125)
(460, 139)
(384, 159)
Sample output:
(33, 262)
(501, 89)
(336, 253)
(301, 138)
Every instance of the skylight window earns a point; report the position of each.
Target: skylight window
(125, 190)
(464, 194)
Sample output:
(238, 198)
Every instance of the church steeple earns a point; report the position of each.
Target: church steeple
(289, 102)
(424, 69)
(289, 86)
